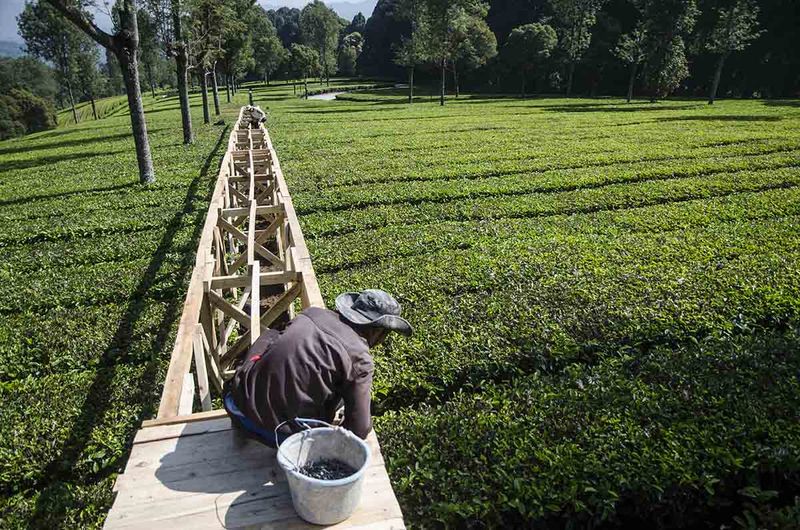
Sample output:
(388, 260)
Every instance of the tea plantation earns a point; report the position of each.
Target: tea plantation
(93, 272)
(606, 300)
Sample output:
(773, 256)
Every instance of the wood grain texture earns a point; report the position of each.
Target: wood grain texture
(205, 475)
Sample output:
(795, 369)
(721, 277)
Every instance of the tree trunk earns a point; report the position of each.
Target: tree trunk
(444, 83)
(72, 102)
(183, 94)
(305, 82)
(153, 88)
(570, 75)
(455, 78)
(181, 62)
(130, 74)
(215, 89)
(94, 108)
(631, 81)
(266, 83)
(204, 94)
(717, 75)
(228, 88)
(267, 76)
(411, 86)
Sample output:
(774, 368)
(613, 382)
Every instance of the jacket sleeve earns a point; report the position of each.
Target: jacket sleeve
(357, 414)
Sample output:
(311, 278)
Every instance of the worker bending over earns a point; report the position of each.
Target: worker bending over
(307, 370)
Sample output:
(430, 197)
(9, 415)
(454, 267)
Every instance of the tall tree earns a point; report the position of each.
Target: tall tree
(51, 38)
(665, 23)
(211, 19)
(357, 25)
(148, 47)
(124, 44)
(411, 50)
(447, 23)
(528, 47)
(349, 50)
(87, 72)
(268, 52)
(737, 26)
(476, 47)
(305, 62)
(237, 44)
(287, 23)
(575, 19)
(631, 51)
(319, 26)
(168, 17)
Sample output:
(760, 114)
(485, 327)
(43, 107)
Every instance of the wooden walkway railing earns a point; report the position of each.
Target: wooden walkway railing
(251, 271)
(189, 470)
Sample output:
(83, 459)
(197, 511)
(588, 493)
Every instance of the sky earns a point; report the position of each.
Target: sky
(9, 9)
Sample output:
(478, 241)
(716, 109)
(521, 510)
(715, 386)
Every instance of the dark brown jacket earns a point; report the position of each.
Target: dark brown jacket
(305, 371)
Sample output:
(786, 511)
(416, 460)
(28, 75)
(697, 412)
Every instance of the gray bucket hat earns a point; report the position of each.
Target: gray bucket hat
(374, 308)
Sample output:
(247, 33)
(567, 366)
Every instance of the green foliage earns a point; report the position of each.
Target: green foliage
(631, 47)
(575, 20)
(104, 263)
(664, 24)
(22, 112)
(27, 73)
(305, 60)
(319, 27)
(605, 322)
(736, 27)
(528, 46)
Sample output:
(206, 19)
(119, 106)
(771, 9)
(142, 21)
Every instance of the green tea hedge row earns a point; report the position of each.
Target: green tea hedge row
(351, 250)
(610, 197)
(93, 269)
(87, 336)
(605, 297)
(544, 299)
(519, 184)
(673, 437)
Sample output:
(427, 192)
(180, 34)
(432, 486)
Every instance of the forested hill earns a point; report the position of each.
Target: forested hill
(768, 67)
(11, 49)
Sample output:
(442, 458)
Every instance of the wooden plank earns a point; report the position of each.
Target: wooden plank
(229, 309)
(197, 416)
(312, 296)
(183, 429)
(201, 373)
(266, 278)
(255, 306)
(187, 395)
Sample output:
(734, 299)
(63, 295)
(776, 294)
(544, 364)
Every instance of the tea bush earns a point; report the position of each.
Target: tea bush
(94, 269)
(605, 296)
(606, 301)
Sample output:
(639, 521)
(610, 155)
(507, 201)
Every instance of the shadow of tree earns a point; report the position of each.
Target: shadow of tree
(720, 117)
(96, 403)
(77, 142)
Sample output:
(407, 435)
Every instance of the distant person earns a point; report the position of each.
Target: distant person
(320, 361)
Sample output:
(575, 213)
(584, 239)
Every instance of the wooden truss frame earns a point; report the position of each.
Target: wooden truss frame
(251, 249)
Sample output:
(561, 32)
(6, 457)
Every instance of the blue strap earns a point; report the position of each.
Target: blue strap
(266, 436)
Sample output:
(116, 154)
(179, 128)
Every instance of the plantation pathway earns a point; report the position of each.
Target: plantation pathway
(189, 470)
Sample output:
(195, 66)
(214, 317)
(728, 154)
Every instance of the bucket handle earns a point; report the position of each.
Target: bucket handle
(303, 422)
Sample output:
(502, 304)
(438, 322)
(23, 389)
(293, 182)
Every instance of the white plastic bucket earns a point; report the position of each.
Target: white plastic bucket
(324, 502)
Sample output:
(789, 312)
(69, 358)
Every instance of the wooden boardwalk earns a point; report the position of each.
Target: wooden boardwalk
(190, 469)
(202, 475)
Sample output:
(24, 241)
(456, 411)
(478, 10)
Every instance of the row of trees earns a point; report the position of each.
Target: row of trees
(202, 40)
(656, 47)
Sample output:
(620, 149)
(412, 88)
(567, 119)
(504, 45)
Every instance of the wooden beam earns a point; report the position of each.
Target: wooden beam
(266, 278)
